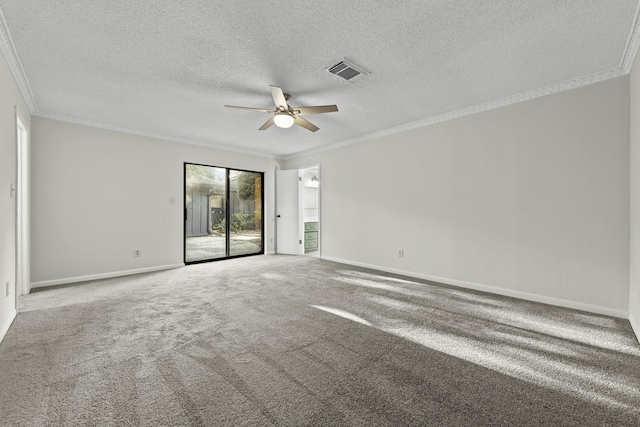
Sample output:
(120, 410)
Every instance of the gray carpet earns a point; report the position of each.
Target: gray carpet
(295, 341)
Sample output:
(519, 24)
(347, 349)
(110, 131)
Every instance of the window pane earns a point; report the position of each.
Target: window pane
(205, 198)
(245, 209)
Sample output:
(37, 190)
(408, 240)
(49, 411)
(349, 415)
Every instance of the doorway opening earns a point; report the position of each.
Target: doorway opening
(311, 209)
(223, 213)
(23, 280)
(298, 211)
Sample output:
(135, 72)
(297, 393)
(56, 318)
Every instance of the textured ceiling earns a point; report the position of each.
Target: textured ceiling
(166, 68)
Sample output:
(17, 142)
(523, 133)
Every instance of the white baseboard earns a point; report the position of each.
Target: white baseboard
(494, 290)
(635, 326)
(5, 328)
(103, 276)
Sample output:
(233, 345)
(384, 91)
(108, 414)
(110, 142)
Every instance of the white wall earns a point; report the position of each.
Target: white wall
(10, 98)
(99, 194)
(530, 200)
(634, 288)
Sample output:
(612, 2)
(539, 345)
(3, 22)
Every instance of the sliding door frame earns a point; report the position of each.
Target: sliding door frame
(227, 214)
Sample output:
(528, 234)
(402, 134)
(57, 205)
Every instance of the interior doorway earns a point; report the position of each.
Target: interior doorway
(298, 211)
(311, 209)
(23, 279)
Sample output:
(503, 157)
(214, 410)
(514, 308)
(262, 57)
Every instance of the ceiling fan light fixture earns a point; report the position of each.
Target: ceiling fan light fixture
(283, 120)
(284, 116)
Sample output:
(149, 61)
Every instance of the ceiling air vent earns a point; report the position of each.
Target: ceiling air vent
(347, 70)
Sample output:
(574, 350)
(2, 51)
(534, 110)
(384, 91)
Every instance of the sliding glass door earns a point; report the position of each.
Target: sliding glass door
(223, 213)
(245, 212)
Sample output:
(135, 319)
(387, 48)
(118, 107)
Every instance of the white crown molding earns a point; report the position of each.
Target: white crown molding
(9, 51)
(632, 44)
(491, 105)
(85, 122)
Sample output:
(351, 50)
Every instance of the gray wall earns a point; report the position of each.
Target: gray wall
(530, 200)
(99, 194)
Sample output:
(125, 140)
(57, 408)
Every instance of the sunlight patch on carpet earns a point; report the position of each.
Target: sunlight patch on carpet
(342, 313)
(513, 338)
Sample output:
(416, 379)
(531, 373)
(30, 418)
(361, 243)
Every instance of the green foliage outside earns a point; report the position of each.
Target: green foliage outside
(240, 221)
(246, 186)
(257, 219)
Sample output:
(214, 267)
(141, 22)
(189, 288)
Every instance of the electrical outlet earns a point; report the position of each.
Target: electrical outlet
(7, 292)
(137, 252)
(400, 253)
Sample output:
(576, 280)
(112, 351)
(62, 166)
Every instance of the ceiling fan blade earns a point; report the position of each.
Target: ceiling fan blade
(264, 110)
(278, 98)
(305, 111)
(305, 124)
(268, 124)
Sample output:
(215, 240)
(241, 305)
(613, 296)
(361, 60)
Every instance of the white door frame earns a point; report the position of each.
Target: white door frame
(289, 227)
(317, 167)
(23, 279)
(289, 199)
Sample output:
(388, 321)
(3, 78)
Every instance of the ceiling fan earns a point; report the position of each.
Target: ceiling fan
(285, 116)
